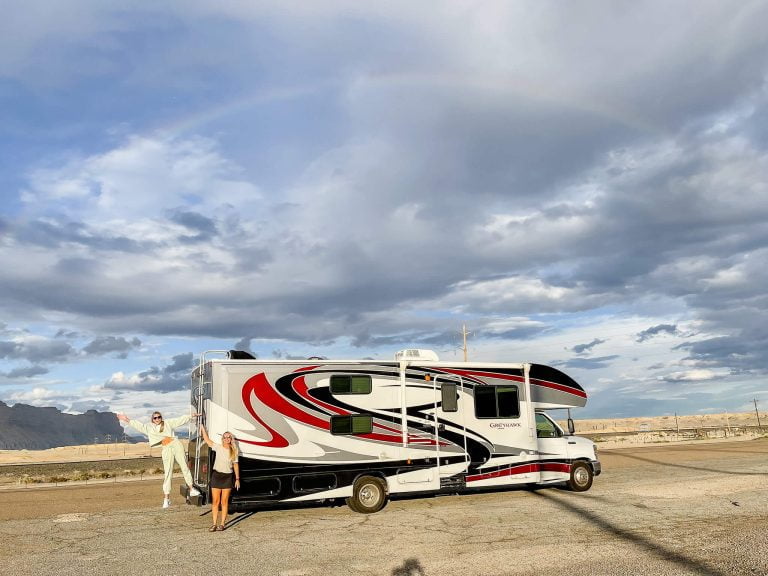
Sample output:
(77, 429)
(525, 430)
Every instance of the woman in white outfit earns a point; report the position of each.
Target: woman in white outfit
(163, 433)
(225, 475)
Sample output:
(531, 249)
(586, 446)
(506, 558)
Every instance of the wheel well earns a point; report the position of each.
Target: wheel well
(378, 475)
(584, 461)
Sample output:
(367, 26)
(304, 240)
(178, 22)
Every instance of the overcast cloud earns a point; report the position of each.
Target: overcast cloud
(583, 185)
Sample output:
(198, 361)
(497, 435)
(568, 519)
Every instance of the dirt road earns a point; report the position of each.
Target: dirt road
(671, 510)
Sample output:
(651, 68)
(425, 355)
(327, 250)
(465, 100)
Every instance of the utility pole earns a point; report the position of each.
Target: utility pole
(757, 413)
(464, 334)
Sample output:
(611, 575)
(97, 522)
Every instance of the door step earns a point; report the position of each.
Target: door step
(457, 482)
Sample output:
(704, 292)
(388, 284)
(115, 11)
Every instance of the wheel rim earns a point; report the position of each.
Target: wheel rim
(369, 495)
(581, 476)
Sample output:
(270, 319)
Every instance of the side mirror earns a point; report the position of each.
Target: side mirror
(571, 427)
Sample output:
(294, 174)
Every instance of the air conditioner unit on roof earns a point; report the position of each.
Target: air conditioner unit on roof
(416, 354)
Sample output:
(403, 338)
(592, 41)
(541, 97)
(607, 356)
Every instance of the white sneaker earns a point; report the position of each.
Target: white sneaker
(166, 502)
(194, 491)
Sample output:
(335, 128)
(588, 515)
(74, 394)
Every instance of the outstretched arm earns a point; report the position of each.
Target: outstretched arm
(205, 436)
(135, 424)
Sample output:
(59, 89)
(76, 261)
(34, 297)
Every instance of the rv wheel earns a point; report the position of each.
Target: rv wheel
(368, 495)
(581, 477)
(351, 503)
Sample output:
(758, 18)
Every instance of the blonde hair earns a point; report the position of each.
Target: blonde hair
(162, 420)
(233, 452)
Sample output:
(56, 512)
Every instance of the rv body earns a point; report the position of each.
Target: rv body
(365, 430)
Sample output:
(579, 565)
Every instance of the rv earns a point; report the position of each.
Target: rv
(363, 431)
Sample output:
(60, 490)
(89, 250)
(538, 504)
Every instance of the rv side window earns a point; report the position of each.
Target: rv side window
(352, 424)
(450, 400)
(497, 402)
(348, 384)
(545, 428)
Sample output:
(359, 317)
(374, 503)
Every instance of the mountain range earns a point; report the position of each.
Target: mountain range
(24, 427)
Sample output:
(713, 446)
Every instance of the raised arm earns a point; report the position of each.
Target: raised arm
(135, 424)
(205, 436)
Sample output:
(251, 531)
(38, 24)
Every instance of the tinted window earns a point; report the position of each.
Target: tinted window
(485, 402)
(352, 424)
(347, 384)
(508, 405)
(496, 402)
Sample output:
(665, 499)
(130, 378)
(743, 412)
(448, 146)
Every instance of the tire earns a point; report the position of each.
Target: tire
(369, 495)
(352, 506)
(581, 477)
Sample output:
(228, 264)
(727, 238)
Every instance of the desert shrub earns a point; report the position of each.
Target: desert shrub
(57, 479)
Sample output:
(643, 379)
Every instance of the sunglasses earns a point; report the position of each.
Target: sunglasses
(157, 417)
(226, 437)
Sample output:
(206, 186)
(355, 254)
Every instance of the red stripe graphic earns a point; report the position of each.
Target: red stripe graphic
(522, 469)
(267, 395)
(259, 386)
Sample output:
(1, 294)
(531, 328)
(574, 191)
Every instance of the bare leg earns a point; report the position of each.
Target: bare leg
(225, 492)
(216, 496)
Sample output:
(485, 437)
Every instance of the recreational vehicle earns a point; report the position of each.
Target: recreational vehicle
(362, 431)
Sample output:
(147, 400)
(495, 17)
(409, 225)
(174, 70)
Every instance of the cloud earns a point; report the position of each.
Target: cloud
(110, 344)
(339, 196)
(585, 348)
(85, 405)
(655, 331)
(590, 363)
(34, 349)
(691, 376)
(170, 378)
(37, 396)
(25, 372)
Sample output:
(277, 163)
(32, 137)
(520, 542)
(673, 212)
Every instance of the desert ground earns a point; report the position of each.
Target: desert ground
(673, 422)
(671, 509)
(637, 430)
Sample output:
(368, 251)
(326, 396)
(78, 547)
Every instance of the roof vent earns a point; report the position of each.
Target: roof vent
(416, 354)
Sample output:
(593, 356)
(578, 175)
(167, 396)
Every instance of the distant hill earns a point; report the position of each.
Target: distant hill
(24, 427)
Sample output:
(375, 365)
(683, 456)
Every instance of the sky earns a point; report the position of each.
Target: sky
(580, 184)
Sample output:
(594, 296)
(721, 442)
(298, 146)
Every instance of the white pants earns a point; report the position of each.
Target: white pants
(171, 452)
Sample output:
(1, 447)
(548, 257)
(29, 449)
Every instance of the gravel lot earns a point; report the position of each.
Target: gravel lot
(668, 510)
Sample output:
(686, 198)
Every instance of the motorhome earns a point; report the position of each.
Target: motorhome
(362, 431)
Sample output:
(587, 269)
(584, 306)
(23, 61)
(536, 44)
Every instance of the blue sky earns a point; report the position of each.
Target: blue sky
(581, 184)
